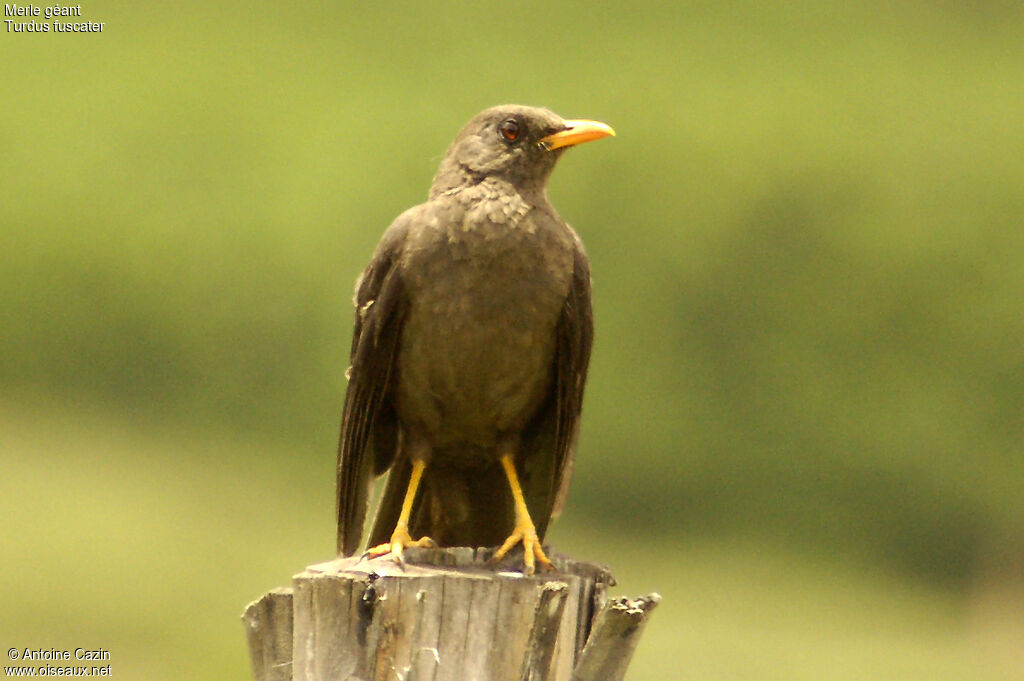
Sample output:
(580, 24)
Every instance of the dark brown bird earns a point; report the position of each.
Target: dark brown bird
(473, 331)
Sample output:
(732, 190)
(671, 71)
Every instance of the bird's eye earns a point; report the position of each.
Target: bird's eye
(509, 129)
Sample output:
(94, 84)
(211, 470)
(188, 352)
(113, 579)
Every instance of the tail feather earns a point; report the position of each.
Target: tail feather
(455, 507)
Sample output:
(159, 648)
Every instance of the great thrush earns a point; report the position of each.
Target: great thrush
(473, 330)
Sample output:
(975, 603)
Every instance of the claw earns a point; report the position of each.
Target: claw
(533, 553)
(400, 541)
(525, 531)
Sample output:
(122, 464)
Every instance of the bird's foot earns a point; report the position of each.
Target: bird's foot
(526, 534)
(400, 540)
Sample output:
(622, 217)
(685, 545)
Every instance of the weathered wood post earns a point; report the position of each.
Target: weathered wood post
(446, 616)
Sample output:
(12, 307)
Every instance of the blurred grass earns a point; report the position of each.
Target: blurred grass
(806, 247)
(149, 541)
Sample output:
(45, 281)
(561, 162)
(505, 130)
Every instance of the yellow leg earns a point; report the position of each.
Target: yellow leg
(400, 538)
(524, 531)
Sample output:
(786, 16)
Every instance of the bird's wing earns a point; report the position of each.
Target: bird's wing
(368, 424)
(575, 339)
(558, 424)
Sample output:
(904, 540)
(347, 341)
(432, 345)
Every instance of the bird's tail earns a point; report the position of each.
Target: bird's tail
(455, 506)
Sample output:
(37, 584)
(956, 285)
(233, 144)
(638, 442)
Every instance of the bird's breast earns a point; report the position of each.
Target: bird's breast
(479, 335)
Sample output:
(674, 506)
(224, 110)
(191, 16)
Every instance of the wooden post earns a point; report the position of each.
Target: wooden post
(268, 627)
(446, 616)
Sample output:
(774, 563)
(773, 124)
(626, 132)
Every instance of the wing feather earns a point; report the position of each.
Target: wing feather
(575, 341)
(550, 446)
(368, 425)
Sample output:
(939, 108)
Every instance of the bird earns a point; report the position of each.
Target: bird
(472, 336)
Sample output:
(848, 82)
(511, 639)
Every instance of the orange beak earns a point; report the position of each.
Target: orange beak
(576, 132)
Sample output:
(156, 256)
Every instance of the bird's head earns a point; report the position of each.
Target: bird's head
(517, 144)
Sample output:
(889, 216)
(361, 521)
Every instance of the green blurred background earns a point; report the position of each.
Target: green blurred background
(805, 413)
